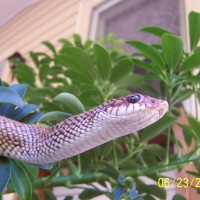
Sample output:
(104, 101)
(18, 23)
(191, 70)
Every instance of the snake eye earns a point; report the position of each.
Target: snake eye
(133, 98)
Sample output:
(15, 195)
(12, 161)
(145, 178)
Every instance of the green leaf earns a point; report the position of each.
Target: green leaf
(19, 88)
(173, 50)
(121, 69)
(149, 52)
(109, 170)
(145, 65)
(54, 116)
(90, 193)
(49, 46)
(191, 62)
(78, 58)
(195, 125)
(157, 128)
(20, 113)
(194, 29)
(49, 195)
(32, 118)
(43, 72)
(65, 42)
(187, 133)
(20, 181)
(70, 102)
(151, 189)
(35, 59)
(103, 61)
(9, 96)
(157, 31)
(24, 74)
(178, 197)
(5, 173)
(182, 95)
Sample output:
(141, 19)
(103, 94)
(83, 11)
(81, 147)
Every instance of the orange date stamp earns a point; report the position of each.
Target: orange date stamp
(179, 182)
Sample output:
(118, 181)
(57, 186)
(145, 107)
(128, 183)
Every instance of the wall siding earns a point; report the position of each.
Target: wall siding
(44, 20)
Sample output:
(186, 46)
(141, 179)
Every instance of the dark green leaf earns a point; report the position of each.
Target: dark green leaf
(178, 197)
(20, 181)
(43, 72)
(151, 189)
(194, 29)
(89, 194)
(109, 170)
(157, 128)
(103, 61)
(149, 52)
(191, 62)
(5, 173)
(32, 118)
(155, 30)
(49, 195)
(173, 50)
(121, 69)
(49, 46)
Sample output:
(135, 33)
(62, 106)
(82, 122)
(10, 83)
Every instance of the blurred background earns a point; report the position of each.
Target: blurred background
(24, 24)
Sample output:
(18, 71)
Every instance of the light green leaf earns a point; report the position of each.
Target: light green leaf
(149, 52)
(191, 62)
(20, 181)
(195, 125)
(54, 116)
(157, 128)
(78, 59)
(173, 50)
(121, 69)
(146, 66)
(70, 102)
(5, 172)
(157, 31)
(194, 29)
(24, 74)
(182, 95)
(49, 46)
(103, 61)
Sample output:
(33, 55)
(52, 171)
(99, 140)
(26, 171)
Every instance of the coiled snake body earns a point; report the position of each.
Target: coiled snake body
(112, 119)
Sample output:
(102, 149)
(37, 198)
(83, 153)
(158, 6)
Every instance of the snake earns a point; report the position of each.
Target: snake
(41, 144)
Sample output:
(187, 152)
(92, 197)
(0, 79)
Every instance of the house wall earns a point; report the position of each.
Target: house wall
(44, 20)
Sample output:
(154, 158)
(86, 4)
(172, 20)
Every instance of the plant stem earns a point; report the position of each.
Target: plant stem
(115, 154)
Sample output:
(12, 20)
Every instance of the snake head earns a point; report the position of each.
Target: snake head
(137, 109)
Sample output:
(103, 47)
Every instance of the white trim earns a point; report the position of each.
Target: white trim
(95, 17)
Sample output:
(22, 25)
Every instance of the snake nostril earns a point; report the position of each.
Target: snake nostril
(133, 98)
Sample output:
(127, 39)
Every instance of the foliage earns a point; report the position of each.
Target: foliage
(82, 75)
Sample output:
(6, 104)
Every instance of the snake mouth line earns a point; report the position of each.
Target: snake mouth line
(162, 108)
